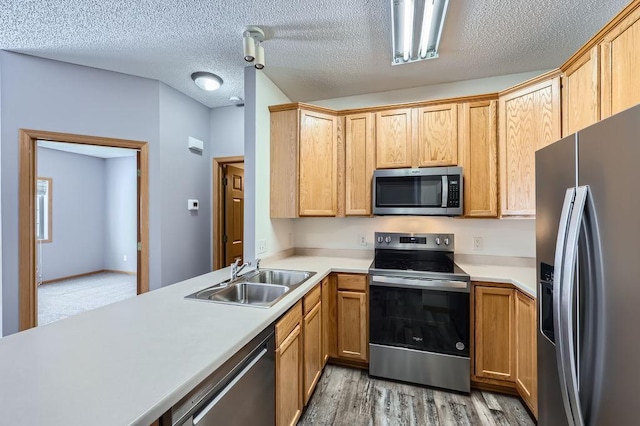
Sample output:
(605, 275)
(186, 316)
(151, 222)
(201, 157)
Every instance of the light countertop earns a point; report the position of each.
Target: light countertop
(129, 362)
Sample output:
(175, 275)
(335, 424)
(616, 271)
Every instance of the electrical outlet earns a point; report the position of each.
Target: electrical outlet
(261, 247)
(290, 239)
(477, 243)
(124, 258)
(362, 239)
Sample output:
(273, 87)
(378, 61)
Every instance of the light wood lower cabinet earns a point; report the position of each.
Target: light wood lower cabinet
(289, 379)
(505, 341)
(352, 325)
(312, 337)
(494, 333)
(526, 350)
(329, 319)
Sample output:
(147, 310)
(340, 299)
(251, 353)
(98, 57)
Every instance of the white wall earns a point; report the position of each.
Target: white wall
(426, 93)
(508, 237)
(121, 220)
(260, 93)
(226, 131)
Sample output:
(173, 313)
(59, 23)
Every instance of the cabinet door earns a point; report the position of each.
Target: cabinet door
(438, 136)
(393, 139)
(526, 350)
(318, 164)
(494, 335)
(529, 119)
(620, 64)
(580, 93)
(329, 341)
(312, 336)
(478, 134)
(360, 163)
(289, 379)
(352, 325)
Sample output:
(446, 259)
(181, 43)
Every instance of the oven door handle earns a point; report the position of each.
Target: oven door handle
(420, 283)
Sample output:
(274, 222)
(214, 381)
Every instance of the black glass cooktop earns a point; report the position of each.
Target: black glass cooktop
(415, 260)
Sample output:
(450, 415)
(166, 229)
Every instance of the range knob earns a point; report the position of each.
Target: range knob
(446, 241)
(437, 240)
(387, 239)
(380, 239)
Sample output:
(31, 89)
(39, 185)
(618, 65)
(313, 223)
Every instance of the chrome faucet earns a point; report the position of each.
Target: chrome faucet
(258, 264)
(235, 269)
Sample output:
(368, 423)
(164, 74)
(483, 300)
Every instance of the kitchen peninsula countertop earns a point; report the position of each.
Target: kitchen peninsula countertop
(129, 362)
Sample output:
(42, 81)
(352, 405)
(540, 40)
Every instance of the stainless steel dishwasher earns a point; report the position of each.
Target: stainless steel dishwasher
(240, 392)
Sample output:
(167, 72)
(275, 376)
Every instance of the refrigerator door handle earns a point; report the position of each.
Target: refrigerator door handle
(567, 347)
(558, 285)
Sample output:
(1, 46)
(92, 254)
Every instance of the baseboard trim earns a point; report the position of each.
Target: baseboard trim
(506, 388)
(70, 277)
(86, 274)
(120, 272)
(348, 363)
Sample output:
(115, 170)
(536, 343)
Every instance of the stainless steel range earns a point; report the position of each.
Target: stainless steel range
(419, 311)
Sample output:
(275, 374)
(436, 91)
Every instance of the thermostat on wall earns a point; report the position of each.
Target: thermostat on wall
(192, 204)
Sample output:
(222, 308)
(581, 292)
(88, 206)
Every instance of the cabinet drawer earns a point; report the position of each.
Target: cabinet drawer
(353, 282)
(288, 322)
(311, 299)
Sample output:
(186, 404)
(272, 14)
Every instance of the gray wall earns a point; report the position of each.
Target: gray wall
(185, 234)
(78, 214)
(227, 131)
(120, 226)
(42, 94)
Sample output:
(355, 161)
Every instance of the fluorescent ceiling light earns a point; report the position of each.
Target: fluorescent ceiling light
(416, 29)
(206, 80)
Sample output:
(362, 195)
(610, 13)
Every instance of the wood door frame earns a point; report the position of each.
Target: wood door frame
(28, 311)
(218, 164)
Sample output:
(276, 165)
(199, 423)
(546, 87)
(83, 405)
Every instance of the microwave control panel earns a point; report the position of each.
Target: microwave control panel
(454, 192)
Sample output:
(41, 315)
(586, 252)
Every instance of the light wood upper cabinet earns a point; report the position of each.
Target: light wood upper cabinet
(394, 138)
(359, 163)
(526, 350)
(580, 93)
(285, 130)
(478, 151)
(304, 162)
(437, 135)
(494, 333)
(620, 62)
(318, 164)
(529, 119)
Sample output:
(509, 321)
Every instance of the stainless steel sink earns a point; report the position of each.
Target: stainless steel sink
(261, 289)
(249, 294)
(279, 277)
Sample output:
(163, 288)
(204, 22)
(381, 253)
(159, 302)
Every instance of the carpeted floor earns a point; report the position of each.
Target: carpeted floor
(70, 297)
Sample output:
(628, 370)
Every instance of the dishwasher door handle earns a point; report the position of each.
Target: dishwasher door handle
(205, 410)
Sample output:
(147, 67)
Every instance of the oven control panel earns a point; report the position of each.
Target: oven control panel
(394, 240)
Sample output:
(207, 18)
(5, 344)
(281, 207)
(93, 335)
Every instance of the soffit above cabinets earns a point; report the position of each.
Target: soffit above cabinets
(315, 50)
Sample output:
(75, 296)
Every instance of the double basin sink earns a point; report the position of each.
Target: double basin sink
(260, 289)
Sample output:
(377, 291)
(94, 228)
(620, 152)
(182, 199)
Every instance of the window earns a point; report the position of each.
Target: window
(43, 210)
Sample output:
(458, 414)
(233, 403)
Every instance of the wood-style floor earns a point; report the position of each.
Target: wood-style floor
(347, 396)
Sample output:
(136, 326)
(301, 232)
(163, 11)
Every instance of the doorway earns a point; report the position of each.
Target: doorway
(228, 210)
(34, 225)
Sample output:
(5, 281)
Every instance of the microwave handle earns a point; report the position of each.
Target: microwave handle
(445, 191)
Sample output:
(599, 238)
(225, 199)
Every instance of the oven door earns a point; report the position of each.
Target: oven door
(426, 315)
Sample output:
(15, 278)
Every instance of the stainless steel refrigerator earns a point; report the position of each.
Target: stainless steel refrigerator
(588, 258)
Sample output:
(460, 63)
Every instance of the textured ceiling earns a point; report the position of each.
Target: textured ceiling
(315, 49)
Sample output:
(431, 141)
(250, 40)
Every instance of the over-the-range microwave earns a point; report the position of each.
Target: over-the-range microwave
(429, 191)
